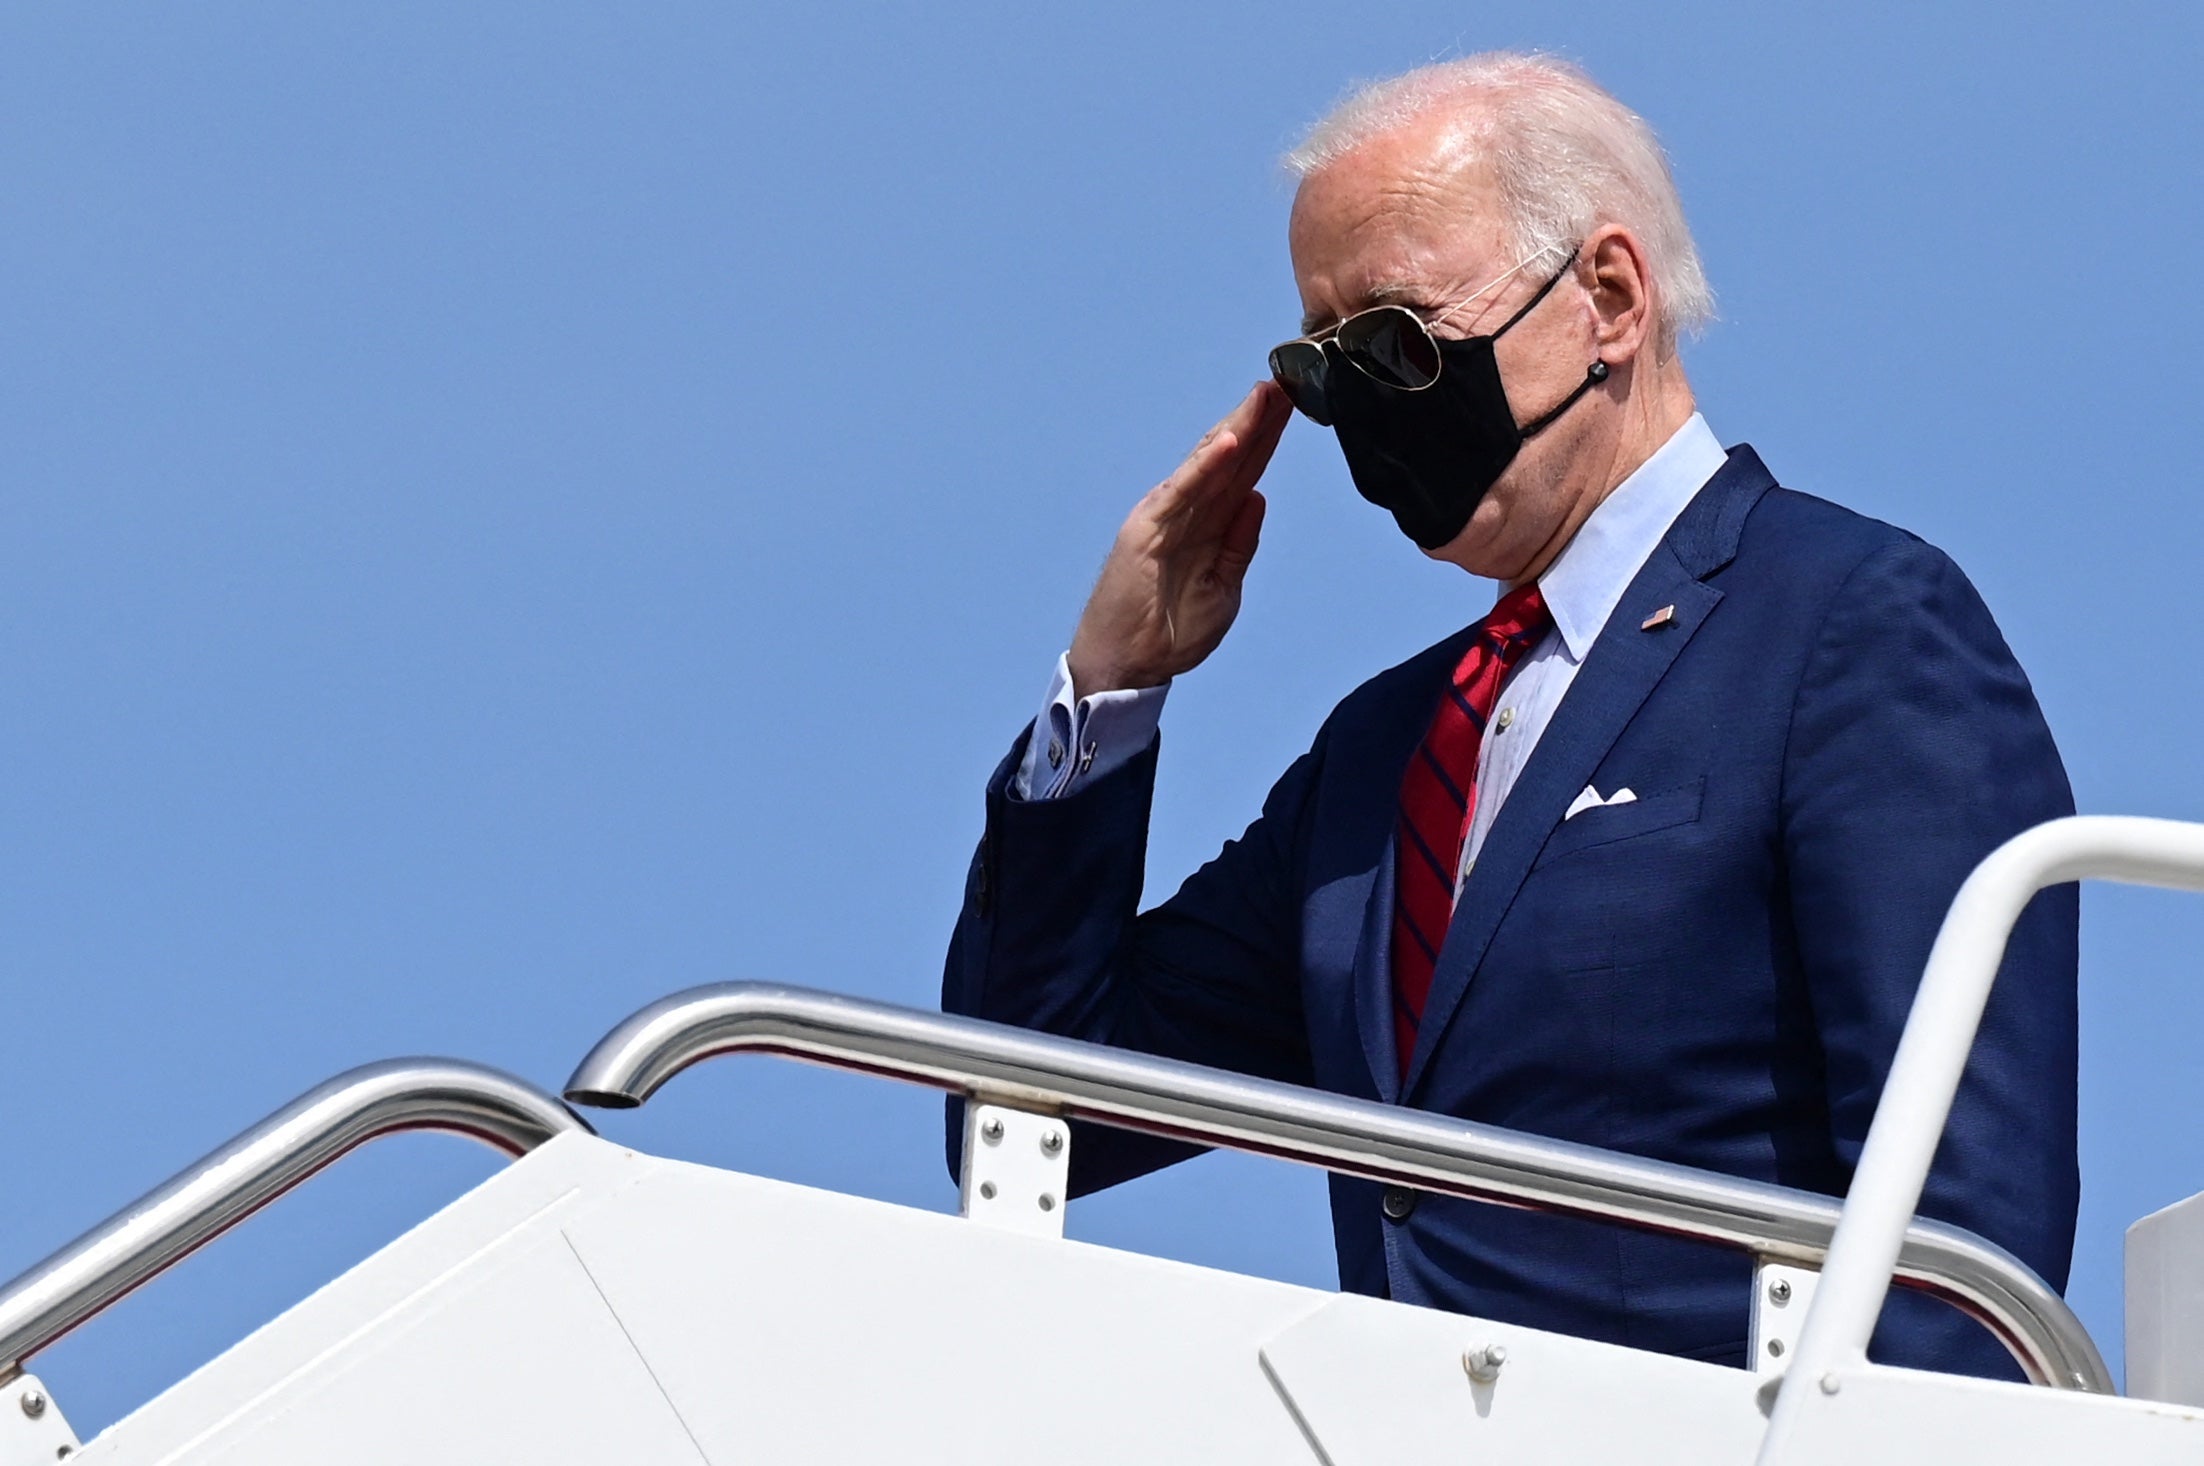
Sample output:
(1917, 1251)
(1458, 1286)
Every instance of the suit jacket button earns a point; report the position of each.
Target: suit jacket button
(1399, 1202)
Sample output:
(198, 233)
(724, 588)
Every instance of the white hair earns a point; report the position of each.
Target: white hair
(1566, 156)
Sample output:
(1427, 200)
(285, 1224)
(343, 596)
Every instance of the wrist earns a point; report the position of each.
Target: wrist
(1091, 677)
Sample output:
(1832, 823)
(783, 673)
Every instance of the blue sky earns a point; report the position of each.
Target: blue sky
(506, 511)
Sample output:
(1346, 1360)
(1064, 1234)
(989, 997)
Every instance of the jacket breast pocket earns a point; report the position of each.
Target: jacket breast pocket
(1607, 823)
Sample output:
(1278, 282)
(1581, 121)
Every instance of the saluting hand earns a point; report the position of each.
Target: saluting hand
(1171, 586)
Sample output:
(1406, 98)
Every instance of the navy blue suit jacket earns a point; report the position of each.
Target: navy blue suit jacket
(1824, 740)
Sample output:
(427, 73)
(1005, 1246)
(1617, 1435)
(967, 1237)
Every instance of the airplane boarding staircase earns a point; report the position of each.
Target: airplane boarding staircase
(592, 1304)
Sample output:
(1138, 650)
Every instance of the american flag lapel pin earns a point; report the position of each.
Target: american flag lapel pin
(1658, 619)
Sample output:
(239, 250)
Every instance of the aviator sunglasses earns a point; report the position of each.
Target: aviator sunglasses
(1389, 344)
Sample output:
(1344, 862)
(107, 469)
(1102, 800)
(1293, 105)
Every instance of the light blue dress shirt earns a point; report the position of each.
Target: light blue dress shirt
(1077, 739)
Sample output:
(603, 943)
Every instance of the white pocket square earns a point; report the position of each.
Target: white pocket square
(1590, 799)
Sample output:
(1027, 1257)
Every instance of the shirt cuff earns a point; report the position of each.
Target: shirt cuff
(1075, 741)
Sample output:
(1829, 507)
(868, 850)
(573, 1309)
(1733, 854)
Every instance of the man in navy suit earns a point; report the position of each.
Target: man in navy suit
(1651, 857)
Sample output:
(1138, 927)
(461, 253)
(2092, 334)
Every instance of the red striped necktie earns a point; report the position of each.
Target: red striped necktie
(1437, 796)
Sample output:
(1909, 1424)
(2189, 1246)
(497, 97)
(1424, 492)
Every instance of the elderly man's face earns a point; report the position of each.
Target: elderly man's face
(1402, 221)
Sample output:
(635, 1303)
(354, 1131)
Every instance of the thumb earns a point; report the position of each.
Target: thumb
(1240, 539)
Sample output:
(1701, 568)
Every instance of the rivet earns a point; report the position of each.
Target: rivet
(1775, 1348)
(992, 1131)
(1048, 1202)
(1483, 1362)
(1052, 1142)
(1779, 1291)
(1830, 1384)
(987, 1191)
(34, 1404)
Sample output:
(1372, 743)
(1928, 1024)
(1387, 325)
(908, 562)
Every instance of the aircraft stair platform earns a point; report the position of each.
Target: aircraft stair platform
(591, 1304)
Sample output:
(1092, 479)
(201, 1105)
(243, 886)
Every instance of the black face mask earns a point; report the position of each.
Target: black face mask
(1430, 455)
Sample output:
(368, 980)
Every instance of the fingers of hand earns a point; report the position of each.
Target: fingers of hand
(1256, 426)
(1221, 446)
(1244, 418)
(1237, 421)
(1170, 498)
(1234, 426)
(1260, 439)
(1201, 509)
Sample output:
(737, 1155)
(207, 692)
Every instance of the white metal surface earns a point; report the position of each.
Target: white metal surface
(32, 1430)
(1374, 1384)
(1877, 1416)
(1016, 1166)
(368, 1337)
(590, 1304)
(768, 1322)
(2165, 1304)
(1924, 1076)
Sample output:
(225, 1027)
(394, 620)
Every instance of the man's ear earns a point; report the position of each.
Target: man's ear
(1620, 282)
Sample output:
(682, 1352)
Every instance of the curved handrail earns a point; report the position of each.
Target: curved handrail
(1932, 1055)
(224, 1188)
(1384, 1143)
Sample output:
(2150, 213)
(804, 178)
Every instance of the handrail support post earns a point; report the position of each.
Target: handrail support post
(1017, 1169)
(33, 1431)
(1781, 1294)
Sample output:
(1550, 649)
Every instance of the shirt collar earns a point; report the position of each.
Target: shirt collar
(1583, 586)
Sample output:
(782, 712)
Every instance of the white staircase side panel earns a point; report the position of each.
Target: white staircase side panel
(525, 1356)
(1376, 1385)
(588, 1303)
(414, 1283)
(1899, 1417)
(2165, 1304)
(830, 1328)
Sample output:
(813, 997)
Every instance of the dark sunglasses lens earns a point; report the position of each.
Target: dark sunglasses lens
(1391, 346)
(1300, 368)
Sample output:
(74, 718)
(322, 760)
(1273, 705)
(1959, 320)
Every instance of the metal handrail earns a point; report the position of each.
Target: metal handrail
(996, 1063)
(1932, 1057)
(224, 1188)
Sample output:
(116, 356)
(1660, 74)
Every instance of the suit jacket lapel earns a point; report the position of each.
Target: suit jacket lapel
(1624, 666)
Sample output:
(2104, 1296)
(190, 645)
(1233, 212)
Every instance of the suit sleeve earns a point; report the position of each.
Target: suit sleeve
(1916, 748)
(1051, 938)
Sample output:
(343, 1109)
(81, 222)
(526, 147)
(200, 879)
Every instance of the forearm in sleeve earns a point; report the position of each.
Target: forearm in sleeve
(1051, 937)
